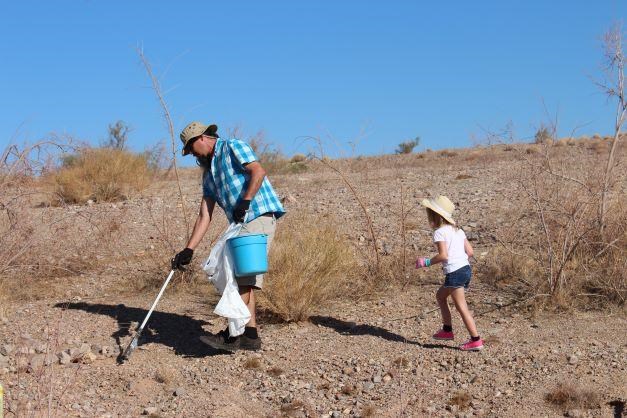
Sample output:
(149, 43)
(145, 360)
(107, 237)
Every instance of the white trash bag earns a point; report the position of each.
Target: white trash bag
(219, 269)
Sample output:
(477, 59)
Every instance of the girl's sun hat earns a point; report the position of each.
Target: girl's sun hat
(442, 206)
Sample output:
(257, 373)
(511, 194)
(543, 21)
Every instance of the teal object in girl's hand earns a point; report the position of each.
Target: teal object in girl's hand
(249, 254)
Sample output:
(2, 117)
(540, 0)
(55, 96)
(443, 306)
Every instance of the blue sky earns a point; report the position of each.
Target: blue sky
(375, 73)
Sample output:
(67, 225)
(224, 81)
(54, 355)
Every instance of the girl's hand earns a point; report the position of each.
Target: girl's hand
(422, 262)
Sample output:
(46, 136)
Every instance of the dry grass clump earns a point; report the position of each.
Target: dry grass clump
(310, 264)
(448, 153)
(165, 375)
(101, 175)
(369, 411)
(567, 395)
(461, 399)
(275, 371)
(463, 177)
(252, 363)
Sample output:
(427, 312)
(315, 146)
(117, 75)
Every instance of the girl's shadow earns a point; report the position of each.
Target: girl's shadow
(352, 328)
(180, 332)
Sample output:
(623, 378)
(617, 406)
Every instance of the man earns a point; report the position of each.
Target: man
(235, 180)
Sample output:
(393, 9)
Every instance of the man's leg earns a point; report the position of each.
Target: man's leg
(248, 296)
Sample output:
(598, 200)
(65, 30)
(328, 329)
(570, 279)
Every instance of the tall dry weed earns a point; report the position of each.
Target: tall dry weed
(101, 175)
(39, 244)
(310, 265)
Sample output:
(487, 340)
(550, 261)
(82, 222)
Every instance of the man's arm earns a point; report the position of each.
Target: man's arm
(257, 174)
(202, 222)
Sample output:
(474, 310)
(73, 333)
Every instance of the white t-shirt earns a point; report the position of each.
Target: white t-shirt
(454, 240)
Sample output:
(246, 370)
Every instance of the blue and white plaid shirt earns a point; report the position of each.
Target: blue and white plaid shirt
(227, 181)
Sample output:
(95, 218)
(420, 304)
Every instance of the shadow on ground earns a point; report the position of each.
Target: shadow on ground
(180, 332)
(352, 328)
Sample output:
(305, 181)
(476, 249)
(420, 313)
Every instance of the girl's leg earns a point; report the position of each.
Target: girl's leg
(441, 296)
(460, 303)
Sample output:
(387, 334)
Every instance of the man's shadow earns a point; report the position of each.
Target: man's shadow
(352, 328)
(180, 332)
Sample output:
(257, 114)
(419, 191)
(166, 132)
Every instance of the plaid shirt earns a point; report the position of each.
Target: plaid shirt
(227, 181)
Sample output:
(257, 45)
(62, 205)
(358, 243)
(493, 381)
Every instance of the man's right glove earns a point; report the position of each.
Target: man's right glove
(239, 213)
(182, 259)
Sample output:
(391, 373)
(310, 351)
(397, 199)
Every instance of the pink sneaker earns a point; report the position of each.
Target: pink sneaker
(471, 345)
(444, 335)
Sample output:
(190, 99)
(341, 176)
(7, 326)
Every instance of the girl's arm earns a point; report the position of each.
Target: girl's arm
(468, 249)
(442, 256)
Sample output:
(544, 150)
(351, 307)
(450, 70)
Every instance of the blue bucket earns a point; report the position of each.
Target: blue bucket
(249, 254)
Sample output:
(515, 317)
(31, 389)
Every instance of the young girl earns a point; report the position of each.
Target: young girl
(453, 252)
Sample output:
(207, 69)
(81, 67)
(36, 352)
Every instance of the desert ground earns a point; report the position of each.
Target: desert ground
(365, 353)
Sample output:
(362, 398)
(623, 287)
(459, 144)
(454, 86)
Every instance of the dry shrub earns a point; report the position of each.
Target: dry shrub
(461, 399)
(599, 146)
(101, 175)
(567, 395)
(448, 153)
(463, 177)
(369, 411)
(532, 149)
(561, 142)
(38, 244)
(560, 243)
(298, 158)
(310, 264)
(275, 371)
(165, 375)
(252, 363)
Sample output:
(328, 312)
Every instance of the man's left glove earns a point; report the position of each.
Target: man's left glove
(182, 259)
(239, 213)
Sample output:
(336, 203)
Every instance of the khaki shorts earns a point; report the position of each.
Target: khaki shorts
(265, 224)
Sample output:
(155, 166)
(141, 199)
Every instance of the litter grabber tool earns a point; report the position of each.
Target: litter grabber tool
(133, 345)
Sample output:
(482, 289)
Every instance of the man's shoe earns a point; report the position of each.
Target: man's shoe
(247, 343)
(222, 341)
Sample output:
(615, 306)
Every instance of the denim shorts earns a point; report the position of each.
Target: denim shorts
(458, 278)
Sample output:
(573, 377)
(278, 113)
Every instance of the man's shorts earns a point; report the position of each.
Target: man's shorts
(264, 224)
(458, 278)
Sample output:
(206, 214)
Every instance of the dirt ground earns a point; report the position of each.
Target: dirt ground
(358, 356)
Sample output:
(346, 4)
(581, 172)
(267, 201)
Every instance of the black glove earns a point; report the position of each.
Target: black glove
(240, 211)
(182, 259)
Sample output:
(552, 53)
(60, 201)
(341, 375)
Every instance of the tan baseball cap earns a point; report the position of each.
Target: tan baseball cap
(193, 130)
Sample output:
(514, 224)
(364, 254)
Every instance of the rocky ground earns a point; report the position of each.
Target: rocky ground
(358, 356)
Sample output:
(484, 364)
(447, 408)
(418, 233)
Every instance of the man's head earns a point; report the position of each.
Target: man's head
(199, 139)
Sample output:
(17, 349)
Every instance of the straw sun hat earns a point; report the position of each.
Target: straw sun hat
(442, 206)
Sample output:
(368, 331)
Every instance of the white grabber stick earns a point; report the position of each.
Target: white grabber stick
(133, 345)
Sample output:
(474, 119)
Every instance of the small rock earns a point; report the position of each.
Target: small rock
(150, 410)
(64, 357)
(387, 378)
(572, 359)
(88, 358)
(179, 391)
(37, 362)
(574, 413)
(6, 349)
(4, 361)
(376, 378)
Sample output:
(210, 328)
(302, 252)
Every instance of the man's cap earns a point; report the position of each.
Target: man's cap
(193, 130)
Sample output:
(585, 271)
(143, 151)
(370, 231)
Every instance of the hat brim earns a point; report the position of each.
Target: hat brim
(210, 131)
(427, 203)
